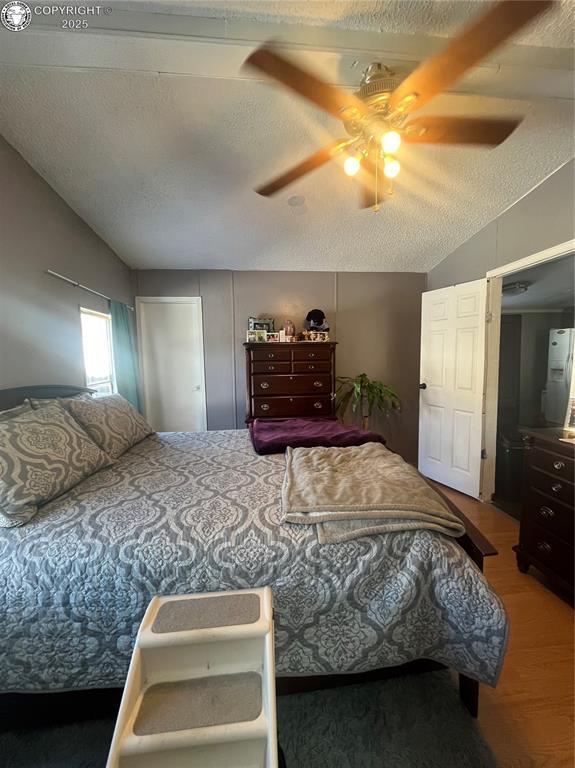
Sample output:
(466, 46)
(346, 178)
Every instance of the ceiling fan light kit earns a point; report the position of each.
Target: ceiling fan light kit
(377, 116)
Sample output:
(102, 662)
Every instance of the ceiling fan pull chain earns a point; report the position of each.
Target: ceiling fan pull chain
(376, 204)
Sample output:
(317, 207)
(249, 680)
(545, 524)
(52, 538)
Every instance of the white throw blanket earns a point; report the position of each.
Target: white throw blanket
(353, 492)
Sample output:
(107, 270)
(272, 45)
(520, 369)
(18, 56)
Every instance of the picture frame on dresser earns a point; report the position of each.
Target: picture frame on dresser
(294, 380)
(257, 337)
(261, 324)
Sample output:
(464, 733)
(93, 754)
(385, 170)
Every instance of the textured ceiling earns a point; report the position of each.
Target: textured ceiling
(551, 286)
(163, 166)
(429, 17)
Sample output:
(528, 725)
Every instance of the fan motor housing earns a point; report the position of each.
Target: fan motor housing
(377, 83)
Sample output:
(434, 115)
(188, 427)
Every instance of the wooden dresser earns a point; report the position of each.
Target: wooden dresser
(290, 380)
(546, 532)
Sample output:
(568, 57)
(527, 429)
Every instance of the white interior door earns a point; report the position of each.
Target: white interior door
(452, 379)
(170, 340)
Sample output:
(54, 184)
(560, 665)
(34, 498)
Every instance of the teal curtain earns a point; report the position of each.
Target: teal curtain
(124, 351)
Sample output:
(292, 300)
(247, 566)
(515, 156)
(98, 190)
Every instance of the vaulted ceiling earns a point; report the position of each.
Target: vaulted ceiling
(147, 126)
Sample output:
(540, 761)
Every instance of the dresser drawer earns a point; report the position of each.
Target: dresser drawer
(291, 385)
(271, 354)
(314, 353)
(291, 406)
(550, 514)
(271, 367)
(549, 550)
(318, 367)
(552, 486)
(557, 465)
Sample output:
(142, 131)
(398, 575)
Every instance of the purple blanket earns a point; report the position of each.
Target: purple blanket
(275, 436)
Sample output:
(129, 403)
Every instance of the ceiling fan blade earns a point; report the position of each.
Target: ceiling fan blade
(336, 101)
(458, 130)
(476, 42)
(311, 163)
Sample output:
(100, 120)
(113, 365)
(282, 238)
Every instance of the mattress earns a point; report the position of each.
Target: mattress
(184, 513)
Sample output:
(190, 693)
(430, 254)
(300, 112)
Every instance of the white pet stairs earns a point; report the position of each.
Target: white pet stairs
(200, 690)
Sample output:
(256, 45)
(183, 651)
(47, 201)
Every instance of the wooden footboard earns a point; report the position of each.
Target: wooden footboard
(478, 548)
(473, 542)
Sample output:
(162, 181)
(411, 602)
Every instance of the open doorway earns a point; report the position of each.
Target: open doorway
(536, 346)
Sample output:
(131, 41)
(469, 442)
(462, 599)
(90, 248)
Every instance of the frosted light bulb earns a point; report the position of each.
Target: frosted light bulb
(390, 141)
(391, 167)
(351, 165)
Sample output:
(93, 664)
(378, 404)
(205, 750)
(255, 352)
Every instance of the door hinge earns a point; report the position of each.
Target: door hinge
(488, 317)
(483, 453)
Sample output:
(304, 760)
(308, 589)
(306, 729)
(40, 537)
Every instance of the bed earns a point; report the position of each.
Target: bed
(194, 512)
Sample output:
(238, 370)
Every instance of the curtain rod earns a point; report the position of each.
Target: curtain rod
(76, 284)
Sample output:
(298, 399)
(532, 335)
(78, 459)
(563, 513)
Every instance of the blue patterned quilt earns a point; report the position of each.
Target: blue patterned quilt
(195, 512)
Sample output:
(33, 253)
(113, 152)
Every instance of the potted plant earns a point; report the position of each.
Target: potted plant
(366, 394)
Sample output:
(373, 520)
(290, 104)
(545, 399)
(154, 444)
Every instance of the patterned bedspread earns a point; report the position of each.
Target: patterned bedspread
(193, 512)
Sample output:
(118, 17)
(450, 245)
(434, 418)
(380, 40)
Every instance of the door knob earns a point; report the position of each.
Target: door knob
(423, 386)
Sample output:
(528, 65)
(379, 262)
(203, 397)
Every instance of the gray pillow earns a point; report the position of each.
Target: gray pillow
(16, 411)
(111, 421)
(43, 454)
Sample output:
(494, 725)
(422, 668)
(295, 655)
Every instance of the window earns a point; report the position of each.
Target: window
(97, 343)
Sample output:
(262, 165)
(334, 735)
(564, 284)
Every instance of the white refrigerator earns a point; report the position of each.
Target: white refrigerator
(559, 371)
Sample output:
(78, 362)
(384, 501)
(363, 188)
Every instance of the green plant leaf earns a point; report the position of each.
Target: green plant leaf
(367, 394)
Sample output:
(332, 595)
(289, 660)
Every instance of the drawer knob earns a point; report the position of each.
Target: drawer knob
(291, 399)
(546, 512)
(264, 407)
(556, 487)
(265, 385)
(311, 367)
(544, 547)
(271, 367)
(311, 354)
(317, 405)
(271, 355)
(558, 465)
(318, 384)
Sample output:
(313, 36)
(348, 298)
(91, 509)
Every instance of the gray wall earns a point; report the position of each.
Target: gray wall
(40, 335)
(540, 220)
(375, 318)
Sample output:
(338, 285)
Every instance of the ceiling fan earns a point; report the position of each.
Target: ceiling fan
(377, 117)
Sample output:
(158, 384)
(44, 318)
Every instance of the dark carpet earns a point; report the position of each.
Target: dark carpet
(416, 721)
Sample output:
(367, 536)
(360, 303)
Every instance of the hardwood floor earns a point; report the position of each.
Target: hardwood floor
(528, 719)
